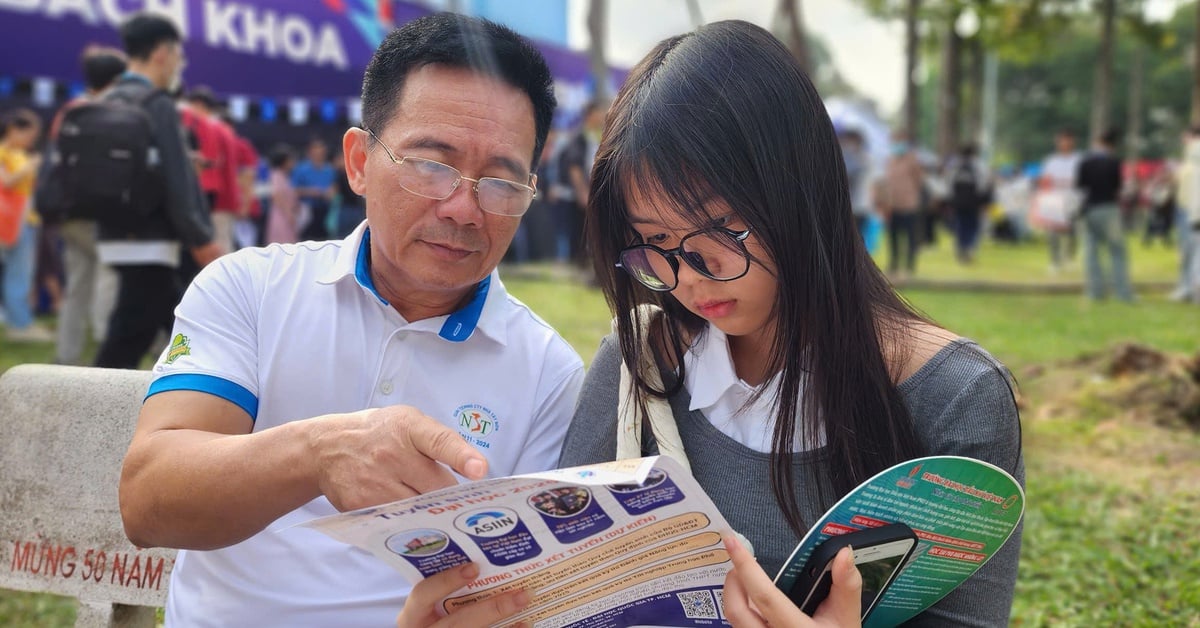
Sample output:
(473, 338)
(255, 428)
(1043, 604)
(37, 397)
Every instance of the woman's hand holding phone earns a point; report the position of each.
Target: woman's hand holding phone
(752, 599)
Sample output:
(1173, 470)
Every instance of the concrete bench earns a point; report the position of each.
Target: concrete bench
(63, 433)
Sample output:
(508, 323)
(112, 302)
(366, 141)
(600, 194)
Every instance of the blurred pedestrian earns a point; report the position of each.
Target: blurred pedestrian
(858, 175)
(1188, 220)
(575, 170)
(350, 208)
(1057, 201)
(970, 191)
(1100, 221)
(245, 231)
(314, 180)
(897, 196)
(1160, 206)
(219, 176)
(19, 131)
(283, 220)
(146, 250)
(1014, 193)
(91, 287)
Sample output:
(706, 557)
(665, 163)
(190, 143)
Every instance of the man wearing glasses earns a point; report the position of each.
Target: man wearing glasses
(323, 376)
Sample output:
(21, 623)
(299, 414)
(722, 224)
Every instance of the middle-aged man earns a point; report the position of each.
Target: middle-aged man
(279, 398)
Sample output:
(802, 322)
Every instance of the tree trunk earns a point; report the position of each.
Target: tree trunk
(1133, 145)
(789, 28)
(1195, 117)
(694, 12)
(973, 101)
(911, 97)
(1102, 89)
(597, 25)
(949, 100)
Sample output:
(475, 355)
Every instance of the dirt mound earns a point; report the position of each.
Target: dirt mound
(1131, 382)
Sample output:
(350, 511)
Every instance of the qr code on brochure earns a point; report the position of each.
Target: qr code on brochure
(698, 604)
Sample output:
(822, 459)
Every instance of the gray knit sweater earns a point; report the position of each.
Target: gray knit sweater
(960, 401)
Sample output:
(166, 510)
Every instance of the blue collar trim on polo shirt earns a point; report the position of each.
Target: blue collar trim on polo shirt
(362, 271)
(458, 326)
(462, 323)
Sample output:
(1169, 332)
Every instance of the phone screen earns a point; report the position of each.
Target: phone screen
(875, 576)
(877, 565)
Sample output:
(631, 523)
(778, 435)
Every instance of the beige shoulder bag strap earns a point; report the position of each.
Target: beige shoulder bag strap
(661, 419)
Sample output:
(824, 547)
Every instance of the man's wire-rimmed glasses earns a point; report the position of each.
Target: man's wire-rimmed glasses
(717, 253)
(435, 180)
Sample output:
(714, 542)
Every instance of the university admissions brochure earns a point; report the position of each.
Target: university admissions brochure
(638, 542)
(627, 543)
(963, 510)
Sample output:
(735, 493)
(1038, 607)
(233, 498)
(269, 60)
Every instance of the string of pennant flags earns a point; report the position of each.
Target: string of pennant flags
(46, 93)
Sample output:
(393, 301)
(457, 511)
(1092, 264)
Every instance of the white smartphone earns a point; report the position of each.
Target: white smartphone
(879, 553)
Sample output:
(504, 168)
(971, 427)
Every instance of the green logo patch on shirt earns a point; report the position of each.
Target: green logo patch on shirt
(180, 346)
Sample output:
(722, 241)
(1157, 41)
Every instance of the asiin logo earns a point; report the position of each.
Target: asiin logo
(180, 347)
(488, 523)
(476, 420)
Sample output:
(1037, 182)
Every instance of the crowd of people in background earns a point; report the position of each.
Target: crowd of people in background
(256, 196)
(1092, 200)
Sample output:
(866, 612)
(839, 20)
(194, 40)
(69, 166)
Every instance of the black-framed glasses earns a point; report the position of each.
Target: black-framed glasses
(717, 253)
(435, 180)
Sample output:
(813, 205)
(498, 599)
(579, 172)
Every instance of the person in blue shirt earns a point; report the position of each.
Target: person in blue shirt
(314, 179)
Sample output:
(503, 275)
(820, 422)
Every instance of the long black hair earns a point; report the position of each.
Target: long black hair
(726, 112)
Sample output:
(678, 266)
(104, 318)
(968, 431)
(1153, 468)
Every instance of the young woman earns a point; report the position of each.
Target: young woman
(724, 240)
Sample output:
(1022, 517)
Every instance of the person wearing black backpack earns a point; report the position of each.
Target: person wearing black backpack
(150, 208)
(90, 286)
(970, 191)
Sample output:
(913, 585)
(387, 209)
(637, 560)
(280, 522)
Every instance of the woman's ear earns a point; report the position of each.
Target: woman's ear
(354, 151)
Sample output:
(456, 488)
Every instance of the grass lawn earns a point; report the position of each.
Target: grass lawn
(1110, 535)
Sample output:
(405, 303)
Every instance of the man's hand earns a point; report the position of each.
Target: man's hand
(421, 608)
(751, 598)
(205, 254)
(381, 455)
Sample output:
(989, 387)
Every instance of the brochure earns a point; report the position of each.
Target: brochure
(627, 543)
(638, 543)
(962, 510)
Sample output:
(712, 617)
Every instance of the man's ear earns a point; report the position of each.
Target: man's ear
(354, 152)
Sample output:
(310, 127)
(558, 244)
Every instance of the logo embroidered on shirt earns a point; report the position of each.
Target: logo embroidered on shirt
(180, 347)
(476, 424)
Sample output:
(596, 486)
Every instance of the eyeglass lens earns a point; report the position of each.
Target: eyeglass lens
(714, 254)
(438, 181)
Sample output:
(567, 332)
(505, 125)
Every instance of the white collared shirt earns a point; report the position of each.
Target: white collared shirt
(294, 331)
(718, 392)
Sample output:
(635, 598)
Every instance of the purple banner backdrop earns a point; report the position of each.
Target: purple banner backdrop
(256, 48)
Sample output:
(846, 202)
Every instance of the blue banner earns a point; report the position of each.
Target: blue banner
(315, 49)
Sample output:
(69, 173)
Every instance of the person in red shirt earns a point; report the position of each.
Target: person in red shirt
(249, 207)
(218, 176)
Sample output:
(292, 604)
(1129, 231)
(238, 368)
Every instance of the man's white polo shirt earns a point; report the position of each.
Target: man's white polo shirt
(296, 331)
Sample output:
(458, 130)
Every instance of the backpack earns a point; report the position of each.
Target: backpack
(964, 187)
(104, 164)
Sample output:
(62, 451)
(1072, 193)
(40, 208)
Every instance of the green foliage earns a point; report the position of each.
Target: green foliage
(1044, 92)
